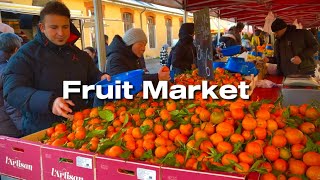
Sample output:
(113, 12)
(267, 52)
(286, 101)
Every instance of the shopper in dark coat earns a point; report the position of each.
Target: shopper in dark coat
(10, 117)
(124, 53)
(294, 49)
(33, 79)
(184, 54)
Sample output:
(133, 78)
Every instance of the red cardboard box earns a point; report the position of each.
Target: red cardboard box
(168, 173)
(19, 158)
(62, 163)
(109, 168)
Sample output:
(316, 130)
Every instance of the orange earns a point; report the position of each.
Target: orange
(150, 112)
(303, 109)
(165, 134)
(79, 115)
(249, 123)
(260, 133)
(225, 129)
(190, 163)
(247, 135)
(60, 127)
(200, 135)
(313, 172)
(136, 133)
(179, 159)
(204, 115)
(80, 133)
(271, 153)
(254, 148)
(279, 141)
(272, 125)
(71, 136)
(160, 152)
(114, 151)
(158, 129)
(50, 131)
(224, 147)
(280, 165)
(261, 123)
(165, 115)
(86, 112)
(208, 127)
(263, 114)
(294, 136)
(169, 125)
(227, 158)
(237, 114)
(307, 127)
(58, 142)
(312, 113)
(206, 145)
(246, 158)
(234, 138)
(186, 129)
(180, 140)
(138, 152)
(171, 105)
(148, 144)
(297, 167)
(294, 110)
(149, 135)
(268, 176)
(173, 133)
(244, 168)
(191, 144)
(285, 153)
(267, 166)
(311, 159)
(160, 141)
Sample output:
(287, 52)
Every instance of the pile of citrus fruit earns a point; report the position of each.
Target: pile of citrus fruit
(234, 136)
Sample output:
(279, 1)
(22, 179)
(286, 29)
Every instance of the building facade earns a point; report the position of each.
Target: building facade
(161, 24)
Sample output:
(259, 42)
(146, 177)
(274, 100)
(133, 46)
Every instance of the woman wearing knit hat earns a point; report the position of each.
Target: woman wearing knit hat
(124, 53)
(184, 54)
(293, 49)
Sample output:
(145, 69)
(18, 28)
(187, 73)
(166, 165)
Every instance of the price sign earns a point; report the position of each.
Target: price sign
(203, 43)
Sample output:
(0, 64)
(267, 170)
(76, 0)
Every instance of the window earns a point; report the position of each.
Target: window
(169, 31)
(127, 21)
(151, 29)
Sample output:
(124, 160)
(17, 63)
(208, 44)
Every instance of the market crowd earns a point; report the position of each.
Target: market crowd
(32, 75)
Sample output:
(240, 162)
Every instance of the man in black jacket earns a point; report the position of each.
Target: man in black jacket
(124, 53)
(294, 49)
(33, 79)
(184, 54)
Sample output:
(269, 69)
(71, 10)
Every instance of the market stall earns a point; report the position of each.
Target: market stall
(218, 136)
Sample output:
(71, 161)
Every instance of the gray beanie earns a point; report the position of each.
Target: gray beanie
(134, 35)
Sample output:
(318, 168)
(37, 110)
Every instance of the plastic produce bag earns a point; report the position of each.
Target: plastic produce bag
(272, 69)
(266, 84)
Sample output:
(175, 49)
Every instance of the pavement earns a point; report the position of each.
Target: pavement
(153, 65)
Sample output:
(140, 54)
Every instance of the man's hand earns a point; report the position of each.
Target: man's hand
(106, 76)
(60, 107)
(164, 74)
(296, 60)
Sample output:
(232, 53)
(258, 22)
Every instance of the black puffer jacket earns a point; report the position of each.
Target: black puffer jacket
(295, 42)
(120, 58)
(184, 54)
(35, 74)
(10, 117)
